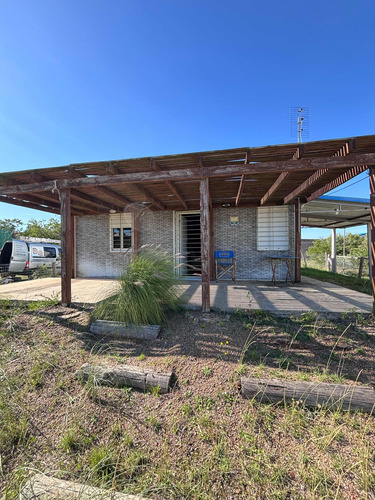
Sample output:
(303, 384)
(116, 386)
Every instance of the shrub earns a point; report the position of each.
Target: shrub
(147, 288)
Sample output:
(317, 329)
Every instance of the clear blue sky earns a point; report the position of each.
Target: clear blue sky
(93, 80)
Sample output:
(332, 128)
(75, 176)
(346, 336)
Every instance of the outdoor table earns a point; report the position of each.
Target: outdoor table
(288, 261)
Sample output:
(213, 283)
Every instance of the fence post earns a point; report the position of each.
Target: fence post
(326, 259)
(360, 270)
(54, 273)
(333, 250)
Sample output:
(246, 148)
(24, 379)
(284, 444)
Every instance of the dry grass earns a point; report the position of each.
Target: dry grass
(201, 441)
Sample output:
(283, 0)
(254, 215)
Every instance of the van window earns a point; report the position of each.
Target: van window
(50, 252)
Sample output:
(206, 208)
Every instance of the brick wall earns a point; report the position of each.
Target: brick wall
(94, 259)
(93, 256)
(242, 239)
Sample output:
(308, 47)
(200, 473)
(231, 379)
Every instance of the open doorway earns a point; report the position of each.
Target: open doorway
(188, 243)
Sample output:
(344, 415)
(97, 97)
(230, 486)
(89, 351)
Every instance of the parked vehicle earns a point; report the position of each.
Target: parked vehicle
(20, 257)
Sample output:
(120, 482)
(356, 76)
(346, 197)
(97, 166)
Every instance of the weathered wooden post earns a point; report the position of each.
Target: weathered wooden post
(212, 243)
(205, 244)
(369, 249)
(297, 251)
(136, 216)
(66, 247)
(372, 226)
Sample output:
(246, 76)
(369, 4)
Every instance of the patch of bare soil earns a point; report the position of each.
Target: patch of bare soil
(202, 440)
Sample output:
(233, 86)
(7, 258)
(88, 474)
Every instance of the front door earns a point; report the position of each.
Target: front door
(188, 243)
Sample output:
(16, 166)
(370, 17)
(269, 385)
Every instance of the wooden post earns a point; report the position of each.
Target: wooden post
(297, 251)
(73, 246)
(369, 249)
(136, 216)
(212, 243)
(205, 244)
(372, 226)
(334, 250)
(66, 248)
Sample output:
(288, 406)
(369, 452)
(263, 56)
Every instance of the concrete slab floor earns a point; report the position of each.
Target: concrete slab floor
(310, 295)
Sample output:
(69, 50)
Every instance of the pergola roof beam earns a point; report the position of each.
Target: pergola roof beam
(330, 163)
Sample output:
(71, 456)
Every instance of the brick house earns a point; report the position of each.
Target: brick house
(247, 200)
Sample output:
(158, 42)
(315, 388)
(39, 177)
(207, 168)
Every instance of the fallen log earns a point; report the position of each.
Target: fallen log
(50, 488)
(314, 394)
(125, 375)
(121, 330)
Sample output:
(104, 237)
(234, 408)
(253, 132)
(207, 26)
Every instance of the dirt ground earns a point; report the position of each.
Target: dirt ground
(202, 440)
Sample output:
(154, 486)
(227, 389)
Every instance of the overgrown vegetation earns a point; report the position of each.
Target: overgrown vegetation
(203, 440)
(147, 289)
(359, 284)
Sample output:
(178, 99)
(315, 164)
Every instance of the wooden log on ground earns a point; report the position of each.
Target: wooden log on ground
(125, 376)
(121, 330)
(314, 394)
(49, 488)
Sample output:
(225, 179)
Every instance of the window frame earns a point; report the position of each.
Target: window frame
(126, 222)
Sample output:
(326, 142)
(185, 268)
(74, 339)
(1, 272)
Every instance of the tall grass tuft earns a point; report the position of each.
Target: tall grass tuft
(147, 289)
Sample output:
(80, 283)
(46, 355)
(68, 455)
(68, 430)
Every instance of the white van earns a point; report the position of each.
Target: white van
(20, 257)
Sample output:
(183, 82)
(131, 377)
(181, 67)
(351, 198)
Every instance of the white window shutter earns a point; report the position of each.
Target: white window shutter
(273, 228)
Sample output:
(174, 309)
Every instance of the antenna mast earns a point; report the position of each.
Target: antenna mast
(299, 121)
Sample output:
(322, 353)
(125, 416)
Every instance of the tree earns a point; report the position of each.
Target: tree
(41, 229)
(35, 228)
(14, 225)
(355, 246)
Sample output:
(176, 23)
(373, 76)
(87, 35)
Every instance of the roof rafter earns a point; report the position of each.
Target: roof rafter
(330, 163)
(79, 194)
(155, 166)
(40, 199)
(337, 182)
(33, 205)
(317, 176)
(282, 177)
(144, 192)
(103, 190)
(243, 179)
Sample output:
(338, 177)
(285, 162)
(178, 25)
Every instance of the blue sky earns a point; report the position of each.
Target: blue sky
(94, 80)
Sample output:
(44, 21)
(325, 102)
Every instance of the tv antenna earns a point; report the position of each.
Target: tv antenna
(299, 122)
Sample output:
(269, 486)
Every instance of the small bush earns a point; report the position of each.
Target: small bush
(41, 272)
(147, 288)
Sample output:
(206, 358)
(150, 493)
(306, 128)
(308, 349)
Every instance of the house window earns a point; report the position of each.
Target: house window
(121, 232)
(273, 228)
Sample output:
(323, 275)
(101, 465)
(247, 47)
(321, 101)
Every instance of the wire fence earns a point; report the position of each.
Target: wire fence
(348, 265)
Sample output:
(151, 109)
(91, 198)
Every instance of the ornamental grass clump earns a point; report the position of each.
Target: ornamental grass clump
(146, 290)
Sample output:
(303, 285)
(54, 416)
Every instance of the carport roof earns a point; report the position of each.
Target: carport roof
(335, 212)
(258, 176)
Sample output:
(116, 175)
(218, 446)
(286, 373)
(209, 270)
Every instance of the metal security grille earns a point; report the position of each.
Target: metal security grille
(190, 244)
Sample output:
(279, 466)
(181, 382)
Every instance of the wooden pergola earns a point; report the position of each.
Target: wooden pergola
(260, 176)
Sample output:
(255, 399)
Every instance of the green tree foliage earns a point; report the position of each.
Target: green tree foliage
(43, 229)
(355, 246)
(15, 225)
(34, 228)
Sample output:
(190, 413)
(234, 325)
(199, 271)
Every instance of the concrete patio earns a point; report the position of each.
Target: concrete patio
(310, 295)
